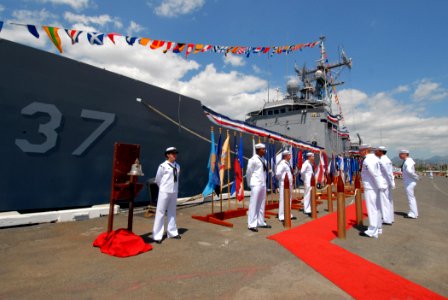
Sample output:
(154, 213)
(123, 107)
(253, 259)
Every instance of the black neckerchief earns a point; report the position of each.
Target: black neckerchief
(264, 164)
(174, 171)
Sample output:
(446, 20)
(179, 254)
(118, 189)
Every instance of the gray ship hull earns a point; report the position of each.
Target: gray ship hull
(59, 122)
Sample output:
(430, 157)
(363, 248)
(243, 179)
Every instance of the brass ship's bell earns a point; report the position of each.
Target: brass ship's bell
(136, 169)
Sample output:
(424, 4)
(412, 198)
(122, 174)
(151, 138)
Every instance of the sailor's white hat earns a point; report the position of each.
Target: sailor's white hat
(260, 146)
(286, 152)
(382, 148)
(364, 146)
(171, 150)
(310, 154)
(404, 151)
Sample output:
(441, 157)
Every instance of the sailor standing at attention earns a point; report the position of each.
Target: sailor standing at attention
(167, 179)
(306, 172)
(370, 175)
(284, 169)
(387, 177)
(410, 181)
(256, 178)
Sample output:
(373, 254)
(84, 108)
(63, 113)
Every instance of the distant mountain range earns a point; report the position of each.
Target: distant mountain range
(435, 160)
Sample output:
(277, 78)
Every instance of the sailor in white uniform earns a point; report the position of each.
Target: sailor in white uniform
(370, 175)
(284, 169)
(256, 179)
(387, 179)
(306, 172)
(410, 181)
(167, 179)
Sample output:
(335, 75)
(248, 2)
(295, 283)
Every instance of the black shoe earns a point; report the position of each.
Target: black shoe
(294, 218)
(362, 233)
(158, 241)
(265, 226)
(177, 237)
(276, 216)
(254, 229)
(388, 224)
(408, 217)
(308, 214)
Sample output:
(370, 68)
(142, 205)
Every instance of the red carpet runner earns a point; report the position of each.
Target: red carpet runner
(357, 276)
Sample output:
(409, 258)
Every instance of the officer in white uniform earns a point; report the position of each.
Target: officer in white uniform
(387, 179)
(284, 169)
(256, 179)
(410, 181)
(167, 179)
(370, 175)
(306, 172)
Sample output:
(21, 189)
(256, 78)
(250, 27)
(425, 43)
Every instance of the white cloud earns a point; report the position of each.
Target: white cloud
(2, 8)
(174, 8)
(428, 90)
(380, 118)
(134, 28)
(401, 89)
(75, 4)
(33, 16)
(234, 60)
(101, 20)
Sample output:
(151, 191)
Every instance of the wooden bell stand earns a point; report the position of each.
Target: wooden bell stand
(124, 187)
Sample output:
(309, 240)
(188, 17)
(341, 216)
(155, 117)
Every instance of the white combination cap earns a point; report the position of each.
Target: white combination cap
(310, 154)
(260, 146)
(171, 150)
(404, 151)
(286, 152)
(365, 146)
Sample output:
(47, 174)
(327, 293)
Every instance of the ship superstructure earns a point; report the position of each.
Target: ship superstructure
(305, 113)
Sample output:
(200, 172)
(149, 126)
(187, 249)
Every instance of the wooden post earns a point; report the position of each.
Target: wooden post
(286, 206)
(358, 201)
(341, 209)
(313, 198)
(330, 197)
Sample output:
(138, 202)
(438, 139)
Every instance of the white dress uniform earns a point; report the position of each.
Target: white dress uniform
(307, 172)
(284, 169)
(167, 179)
(410, 181)
(387, 203)
(256, 179)
(370, 175)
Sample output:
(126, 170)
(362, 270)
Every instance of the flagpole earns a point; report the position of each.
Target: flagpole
(220, 194)
(234, 174)
(242, 173)
(214, 166)
(228, 174)
(271, 181)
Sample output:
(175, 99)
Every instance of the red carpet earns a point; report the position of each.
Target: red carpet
(357, 276)
(121, 243)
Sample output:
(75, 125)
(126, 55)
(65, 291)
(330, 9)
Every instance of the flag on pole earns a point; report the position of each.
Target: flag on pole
(225, 160)
(157, 44)
(144, 41)
(320, 170)
(213, 179)
(238, 185)
(240, 191)
(33, 30)
(52, 33)
(218, 160)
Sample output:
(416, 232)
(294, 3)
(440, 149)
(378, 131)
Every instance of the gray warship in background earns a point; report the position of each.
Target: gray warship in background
(306, 111)
(60, 119)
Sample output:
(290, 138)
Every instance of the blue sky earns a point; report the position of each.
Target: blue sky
(398, 85)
